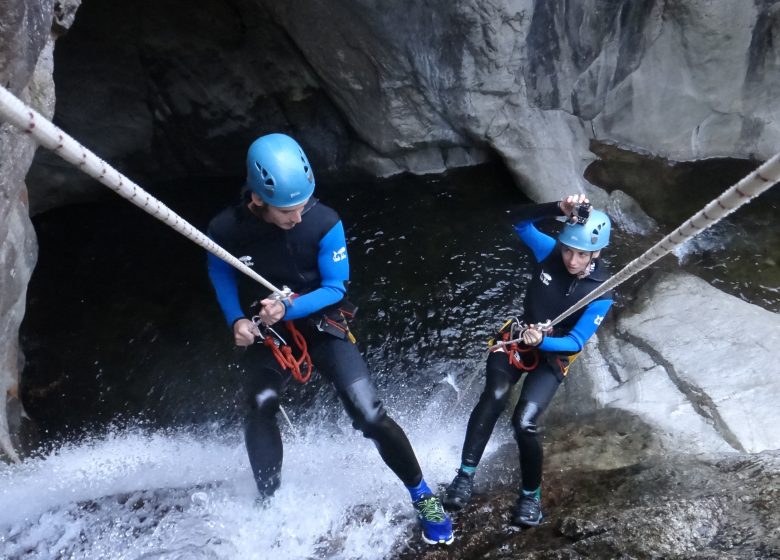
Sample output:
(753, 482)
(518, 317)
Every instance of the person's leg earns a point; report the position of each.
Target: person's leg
(265, 383)
(500, 377)
(340, 362)
(538, 390)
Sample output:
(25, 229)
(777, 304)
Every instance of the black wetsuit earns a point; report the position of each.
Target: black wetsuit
(310, 259)
(552, 290)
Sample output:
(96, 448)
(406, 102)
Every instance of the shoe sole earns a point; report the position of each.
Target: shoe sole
(527, 523)
(440, 541)
(454, 506)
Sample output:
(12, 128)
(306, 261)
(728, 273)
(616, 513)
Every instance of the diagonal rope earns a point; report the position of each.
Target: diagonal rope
(752, 185)
(17, 113)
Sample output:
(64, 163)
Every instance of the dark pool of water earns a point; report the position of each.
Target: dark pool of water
(122, 324)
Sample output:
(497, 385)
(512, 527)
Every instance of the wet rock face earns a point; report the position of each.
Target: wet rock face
(415, 87)
(680, 358)
(25, 69)
(648, 504)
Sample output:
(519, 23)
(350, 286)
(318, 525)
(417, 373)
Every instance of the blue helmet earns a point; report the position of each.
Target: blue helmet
(278, 171)
(590, 236)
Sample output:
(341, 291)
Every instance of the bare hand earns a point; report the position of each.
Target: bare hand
(272, 311)
(532, 336)
(569, 203)
(244, 332)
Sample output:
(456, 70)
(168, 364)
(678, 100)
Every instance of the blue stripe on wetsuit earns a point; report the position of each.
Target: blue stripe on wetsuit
(583, 329)
(223, 278)
(333, 264)
(542, 246)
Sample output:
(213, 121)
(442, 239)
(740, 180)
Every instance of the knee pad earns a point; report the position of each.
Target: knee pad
(526, 417)
(363, 406)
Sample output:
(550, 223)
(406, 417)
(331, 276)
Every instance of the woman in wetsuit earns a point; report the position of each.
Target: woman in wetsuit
(565, 271)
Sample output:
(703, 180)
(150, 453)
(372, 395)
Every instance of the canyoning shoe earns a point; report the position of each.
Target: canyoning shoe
(528, 511)
(436, 524)
(459, 491)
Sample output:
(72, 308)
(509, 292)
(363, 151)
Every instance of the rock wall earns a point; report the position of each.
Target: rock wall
(696, 364)
(27, 34)
(167, 93)
(416, 87)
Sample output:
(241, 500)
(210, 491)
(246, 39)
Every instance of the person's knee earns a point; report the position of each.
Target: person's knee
(366, 410)
(526, 419)
(497, 389)
(264, 403)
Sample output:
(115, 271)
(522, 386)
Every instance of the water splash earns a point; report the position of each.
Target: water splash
(179, 494)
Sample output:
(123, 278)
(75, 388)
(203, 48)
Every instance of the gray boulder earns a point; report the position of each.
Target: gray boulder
(698, 364)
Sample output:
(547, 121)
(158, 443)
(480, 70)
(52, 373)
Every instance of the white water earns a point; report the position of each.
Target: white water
(176, 495)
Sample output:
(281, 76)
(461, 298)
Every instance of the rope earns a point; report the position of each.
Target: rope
(284, 355)
(15, 112)
(752, 185)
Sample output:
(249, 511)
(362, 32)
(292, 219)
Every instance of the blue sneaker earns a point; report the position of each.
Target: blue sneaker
(436, 524)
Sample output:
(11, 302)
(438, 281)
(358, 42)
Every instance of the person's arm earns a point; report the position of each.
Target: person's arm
(574, 341)
(333, 263)
(223, 278)
(540, 244)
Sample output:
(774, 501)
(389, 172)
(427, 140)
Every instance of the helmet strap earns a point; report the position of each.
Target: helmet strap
(591, 265)
(588, 269)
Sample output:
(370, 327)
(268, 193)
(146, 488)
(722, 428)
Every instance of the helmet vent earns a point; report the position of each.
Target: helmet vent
(268, 180)
(594, 235)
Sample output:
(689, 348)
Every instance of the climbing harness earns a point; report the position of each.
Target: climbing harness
(335, 322)
(509, 339)
(14, 111)
(300, 368)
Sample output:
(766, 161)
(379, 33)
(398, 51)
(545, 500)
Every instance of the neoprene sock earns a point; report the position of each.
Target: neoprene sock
(536, 493)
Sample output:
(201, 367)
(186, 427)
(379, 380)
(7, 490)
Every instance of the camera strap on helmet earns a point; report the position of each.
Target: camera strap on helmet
(509, 339)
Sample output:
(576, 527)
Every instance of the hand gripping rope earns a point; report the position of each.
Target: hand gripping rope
(524, 358)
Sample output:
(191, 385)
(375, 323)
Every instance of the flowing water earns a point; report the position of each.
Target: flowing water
(129, 376)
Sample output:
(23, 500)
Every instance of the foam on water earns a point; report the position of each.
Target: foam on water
(177, 494)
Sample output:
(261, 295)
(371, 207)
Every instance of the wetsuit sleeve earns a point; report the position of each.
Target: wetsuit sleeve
(223, 278)
(540, 244)
(583, 329)
(333, 264)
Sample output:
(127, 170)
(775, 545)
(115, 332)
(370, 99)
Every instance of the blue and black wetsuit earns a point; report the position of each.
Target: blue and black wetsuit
(311, 259)
(552, 290)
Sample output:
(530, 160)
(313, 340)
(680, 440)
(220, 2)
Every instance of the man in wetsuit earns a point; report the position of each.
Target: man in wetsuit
(293, 240)
(565, 271)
